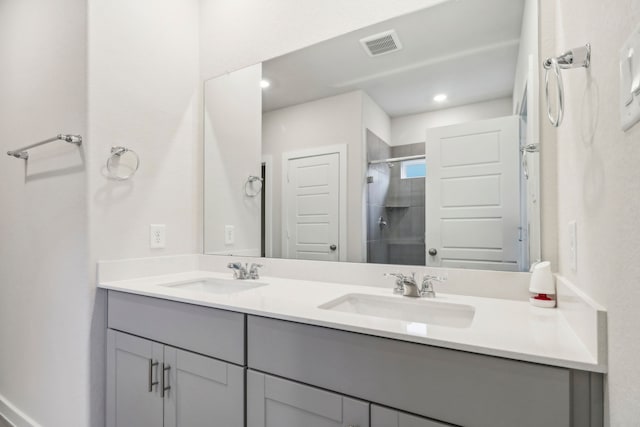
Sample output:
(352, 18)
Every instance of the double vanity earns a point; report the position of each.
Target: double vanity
(422, 156)
(199, 348)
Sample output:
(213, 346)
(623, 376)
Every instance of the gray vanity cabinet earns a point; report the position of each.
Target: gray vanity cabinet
(129, 401)
(455, 387)
(275, 402)
(204, 392)
(385, 417)
(300, 375)
(199, 391)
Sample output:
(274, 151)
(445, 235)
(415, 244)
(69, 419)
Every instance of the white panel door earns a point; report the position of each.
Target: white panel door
(472, 195)
(312, 203)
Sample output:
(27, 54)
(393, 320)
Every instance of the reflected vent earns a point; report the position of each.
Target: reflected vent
(381, 44)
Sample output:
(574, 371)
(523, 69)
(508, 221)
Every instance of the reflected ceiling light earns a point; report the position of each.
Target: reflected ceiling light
(265, 83)
(441, 97)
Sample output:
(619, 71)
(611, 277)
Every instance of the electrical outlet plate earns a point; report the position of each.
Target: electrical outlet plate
(229, 235)
(157, 236)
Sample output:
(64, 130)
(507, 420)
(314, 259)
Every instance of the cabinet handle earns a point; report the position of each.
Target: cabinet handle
(163, 387)
(152, 383)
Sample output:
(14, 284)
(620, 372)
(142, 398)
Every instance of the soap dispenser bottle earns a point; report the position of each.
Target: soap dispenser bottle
(542, 285)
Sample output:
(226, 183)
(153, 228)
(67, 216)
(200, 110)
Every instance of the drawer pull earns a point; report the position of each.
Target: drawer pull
(164, 387)
(152, 383)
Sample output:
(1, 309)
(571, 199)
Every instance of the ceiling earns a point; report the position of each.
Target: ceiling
(467, 49)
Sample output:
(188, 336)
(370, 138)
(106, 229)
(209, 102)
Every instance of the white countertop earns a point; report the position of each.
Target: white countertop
(503, 328)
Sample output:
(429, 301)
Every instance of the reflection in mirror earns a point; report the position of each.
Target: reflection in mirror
(412, 141)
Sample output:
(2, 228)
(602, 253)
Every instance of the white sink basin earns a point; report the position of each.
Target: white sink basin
(408, 309)
(217, 286)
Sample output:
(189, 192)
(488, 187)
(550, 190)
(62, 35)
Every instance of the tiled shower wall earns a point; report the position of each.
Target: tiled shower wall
(377, 191)
(400, 204)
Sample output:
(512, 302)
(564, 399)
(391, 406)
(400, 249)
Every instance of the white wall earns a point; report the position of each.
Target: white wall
(375, 119)
(599, 182)
(46, 298)
(412, 128)
(232, 149)
(528, 50)
(329, 121)
(144, 93)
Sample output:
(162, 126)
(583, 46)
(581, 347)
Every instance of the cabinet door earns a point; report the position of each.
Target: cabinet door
(132, 368)
(203, 392)
(384, 417)
(274, 402)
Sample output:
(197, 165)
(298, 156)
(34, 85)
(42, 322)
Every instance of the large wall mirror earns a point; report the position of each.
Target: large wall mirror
(411, 141)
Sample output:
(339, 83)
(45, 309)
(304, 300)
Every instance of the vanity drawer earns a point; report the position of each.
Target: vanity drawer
(447, 385)
(209, 331)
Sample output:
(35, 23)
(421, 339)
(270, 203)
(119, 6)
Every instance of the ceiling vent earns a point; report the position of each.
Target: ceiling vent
(382, 43)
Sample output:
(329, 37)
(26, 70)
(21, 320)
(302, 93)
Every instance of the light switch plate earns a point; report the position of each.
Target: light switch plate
(157, 236)
(630, 81)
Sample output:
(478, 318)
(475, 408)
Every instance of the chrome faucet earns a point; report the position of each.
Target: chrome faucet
(244, 272)
(239, 271)
(407, 286)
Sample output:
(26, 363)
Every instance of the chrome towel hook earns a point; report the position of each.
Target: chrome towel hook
(575, 58)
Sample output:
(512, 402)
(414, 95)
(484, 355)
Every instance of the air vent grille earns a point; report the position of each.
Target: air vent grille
(380, 44)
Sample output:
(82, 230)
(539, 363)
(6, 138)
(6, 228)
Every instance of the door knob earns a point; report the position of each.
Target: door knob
(333, 247)
(433, 251)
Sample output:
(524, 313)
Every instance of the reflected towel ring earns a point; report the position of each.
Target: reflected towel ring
(555, 121)
(113, 163)
(249, 183)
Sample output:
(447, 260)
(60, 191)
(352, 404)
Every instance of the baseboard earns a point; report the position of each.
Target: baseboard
(14, 416)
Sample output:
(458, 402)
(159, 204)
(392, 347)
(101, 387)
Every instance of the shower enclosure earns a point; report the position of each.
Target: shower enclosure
(395, 202)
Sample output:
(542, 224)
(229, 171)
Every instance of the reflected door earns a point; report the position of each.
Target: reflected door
(472, 195)
(312, 208)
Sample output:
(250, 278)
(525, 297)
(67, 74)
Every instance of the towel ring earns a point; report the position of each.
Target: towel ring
(249, 183)
(526, 150)
(579, 57)
(557, 119)
(114, 159)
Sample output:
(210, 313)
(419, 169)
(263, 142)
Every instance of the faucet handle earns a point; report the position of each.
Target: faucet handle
(401, 279)
(399, 289)
(427, 284)
(434, 278)
(239, 270)
(398, 276)
(253, 271)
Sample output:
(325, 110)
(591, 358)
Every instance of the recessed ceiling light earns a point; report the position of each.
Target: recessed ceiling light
(265, 83)
(440, 97)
